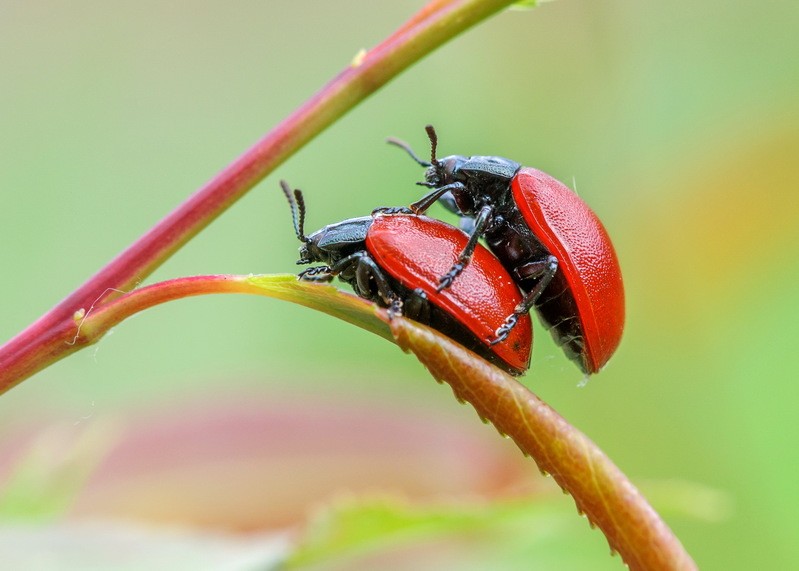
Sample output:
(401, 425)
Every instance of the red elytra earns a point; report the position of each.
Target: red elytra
(416, 250)
(570, 230)
(545, 236)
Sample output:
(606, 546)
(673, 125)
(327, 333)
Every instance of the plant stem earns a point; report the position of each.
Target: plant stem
(435, 24)
(86, 327)
(601, 491)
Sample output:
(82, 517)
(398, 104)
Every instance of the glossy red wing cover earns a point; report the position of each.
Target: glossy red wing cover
(571, 231)
(417, 251)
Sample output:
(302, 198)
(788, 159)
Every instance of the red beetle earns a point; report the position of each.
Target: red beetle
(396, 260)
(546, 236)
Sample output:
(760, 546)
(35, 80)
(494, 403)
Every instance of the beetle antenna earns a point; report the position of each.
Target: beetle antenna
(407, 148)
(300, 226)
(297, 204)
(431, 134)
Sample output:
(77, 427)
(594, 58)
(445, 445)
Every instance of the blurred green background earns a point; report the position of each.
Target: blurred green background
(678, 122)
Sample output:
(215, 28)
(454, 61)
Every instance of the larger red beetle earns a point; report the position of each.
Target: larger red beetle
(546, 236)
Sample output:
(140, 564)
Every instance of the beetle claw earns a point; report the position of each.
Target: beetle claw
(395, 308)
(504, 330)
(446, 280)
(316, 274)
(389, 210)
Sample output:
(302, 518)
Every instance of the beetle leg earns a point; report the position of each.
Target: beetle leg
(421, 205)
(417, 307)
(327, 273)
(368, 271)
(466, 255)
(544, 270)
(345, 262)
(316, 274)
(504, 330)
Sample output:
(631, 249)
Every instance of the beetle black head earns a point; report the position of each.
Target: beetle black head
(297, 204)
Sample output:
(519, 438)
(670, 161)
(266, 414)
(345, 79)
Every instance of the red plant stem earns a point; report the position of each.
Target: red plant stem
(432, 26)
(89, 325)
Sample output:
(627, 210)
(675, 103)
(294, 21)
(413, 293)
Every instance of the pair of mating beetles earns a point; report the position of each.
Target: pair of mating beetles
(546, 250)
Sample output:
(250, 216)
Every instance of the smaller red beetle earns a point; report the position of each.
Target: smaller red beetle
(548, 239)
(396, 260)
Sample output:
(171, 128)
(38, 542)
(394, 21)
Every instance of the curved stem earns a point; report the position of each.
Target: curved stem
(432, 26)
(601, 491)
(87, 326)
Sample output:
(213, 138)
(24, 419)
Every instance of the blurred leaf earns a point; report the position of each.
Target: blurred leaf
(106, 545)
(388, 533)
(258, 461)
(53, 470)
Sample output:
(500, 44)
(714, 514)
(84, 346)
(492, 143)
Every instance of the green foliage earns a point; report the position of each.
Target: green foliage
(392, 534)
(52, 470)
